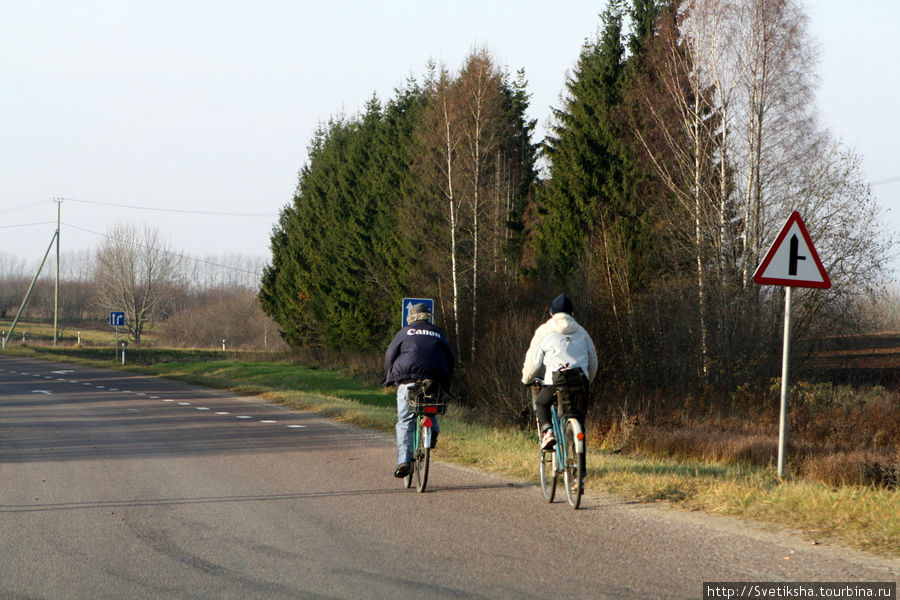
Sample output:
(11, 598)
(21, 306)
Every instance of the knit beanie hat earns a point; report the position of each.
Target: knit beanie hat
(561, 303)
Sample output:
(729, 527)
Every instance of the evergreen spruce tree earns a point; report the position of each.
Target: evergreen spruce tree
(596, 204)
(522, 153)
(581, 150)
(338, 267)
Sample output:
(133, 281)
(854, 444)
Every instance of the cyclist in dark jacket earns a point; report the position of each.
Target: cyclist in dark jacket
(418, 351)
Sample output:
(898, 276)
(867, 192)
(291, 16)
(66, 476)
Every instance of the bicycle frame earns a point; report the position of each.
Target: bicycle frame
(559, 434)
(426, 409)
(569, 457)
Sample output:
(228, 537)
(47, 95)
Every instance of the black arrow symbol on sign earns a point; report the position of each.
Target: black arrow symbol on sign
(795, 248)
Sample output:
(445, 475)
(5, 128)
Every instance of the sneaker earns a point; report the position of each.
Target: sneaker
(434, 437)
(402, 470)
(548, 440)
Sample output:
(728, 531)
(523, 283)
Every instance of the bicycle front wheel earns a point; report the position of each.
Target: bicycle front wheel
(575, 462)
(548, 474)
(407, 481)
(422, 457)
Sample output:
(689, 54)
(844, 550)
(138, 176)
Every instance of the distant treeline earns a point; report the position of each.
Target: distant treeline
(204, 301)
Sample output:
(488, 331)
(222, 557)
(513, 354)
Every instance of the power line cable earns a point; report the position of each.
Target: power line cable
(173, 210)
(21, 206)
(28, 224)
(883, 181)
(183, 256)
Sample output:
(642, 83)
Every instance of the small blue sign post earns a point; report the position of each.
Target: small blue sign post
(117, 319)
(408, 303)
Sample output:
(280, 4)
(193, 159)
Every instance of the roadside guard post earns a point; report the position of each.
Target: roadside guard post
(117, 319)
(792, 261)
(408, 303)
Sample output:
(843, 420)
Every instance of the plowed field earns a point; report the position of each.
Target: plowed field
(859, 359)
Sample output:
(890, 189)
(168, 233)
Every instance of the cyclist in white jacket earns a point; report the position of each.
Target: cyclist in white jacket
(559, 343)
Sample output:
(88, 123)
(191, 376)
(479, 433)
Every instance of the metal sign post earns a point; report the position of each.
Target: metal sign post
(117, 318)
(785, 362)
(788, 263)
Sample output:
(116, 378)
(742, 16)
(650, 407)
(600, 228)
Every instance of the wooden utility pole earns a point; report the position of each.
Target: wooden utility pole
(56, 292)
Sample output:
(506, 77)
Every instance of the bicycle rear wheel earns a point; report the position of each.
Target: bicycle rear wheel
(548, 474)
(422, 457)
(575, 463)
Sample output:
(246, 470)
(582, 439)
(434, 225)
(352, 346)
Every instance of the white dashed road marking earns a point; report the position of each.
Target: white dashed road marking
(134, 410)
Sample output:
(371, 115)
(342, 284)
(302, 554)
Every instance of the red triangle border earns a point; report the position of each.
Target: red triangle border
(758, 274)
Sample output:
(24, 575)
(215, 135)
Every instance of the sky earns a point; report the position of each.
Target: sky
(194, 116)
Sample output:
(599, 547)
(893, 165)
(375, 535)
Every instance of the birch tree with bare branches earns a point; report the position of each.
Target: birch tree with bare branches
(678, 130)
(727, 118)
(135, 271)
(440, 138)
(481, 124)
(777, 125)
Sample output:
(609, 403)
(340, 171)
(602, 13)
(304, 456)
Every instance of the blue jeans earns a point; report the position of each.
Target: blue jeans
(406, 425)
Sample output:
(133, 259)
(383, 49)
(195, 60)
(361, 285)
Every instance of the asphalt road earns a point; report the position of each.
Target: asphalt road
(115, 485)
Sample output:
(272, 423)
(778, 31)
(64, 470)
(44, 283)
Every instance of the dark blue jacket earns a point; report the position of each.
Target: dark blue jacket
(419, 351)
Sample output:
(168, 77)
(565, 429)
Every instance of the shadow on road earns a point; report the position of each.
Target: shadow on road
(106, 504)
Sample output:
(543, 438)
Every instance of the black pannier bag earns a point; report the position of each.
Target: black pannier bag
(573, 392)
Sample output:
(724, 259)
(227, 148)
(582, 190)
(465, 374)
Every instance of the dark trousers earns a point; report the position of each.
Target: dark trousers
(542, 398)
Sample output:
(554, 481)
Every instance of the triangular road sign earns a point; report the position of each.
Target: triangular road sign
(792, 260)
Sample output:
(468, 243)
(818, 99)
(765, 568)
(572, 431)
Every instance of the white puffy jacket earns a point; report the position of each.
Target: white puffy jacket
(559, 343)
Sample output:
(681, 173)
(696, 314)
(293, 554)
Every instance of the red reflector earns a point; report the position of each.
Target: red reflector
(580, 437)
(431, 410)
(427, 422)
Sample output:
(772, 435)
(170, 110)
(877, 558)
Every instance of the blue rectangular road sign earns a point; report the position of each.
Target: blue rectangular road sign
(410, 302)
(117, 318)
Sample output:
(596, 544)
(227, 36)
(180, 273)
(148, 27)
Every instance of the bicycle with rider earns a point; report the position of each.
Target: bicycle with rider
(418, 351)
(558, 343)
